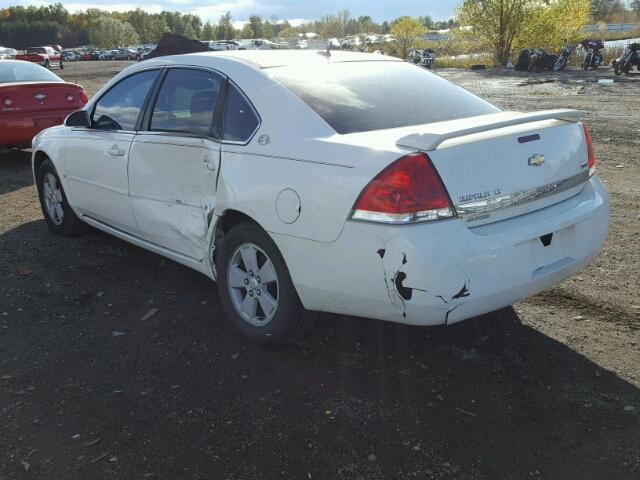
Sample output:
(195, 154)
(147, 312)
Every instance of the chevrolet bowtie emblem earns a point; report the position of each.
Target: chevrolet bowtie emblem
(536, 160)
(40, 96)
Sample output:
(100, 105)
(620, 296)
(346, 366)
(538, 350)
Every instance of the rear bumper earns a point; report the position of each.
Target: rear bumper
(19, 128)
(445, 272)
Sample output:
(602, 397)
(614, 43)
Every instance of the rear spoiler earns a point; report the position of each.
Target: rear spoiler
(437, 133)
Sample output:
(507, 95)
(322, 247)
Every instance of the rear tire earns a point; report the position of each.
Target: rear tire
(47, 64)
(617, 70)
(60, 217)
(244, 254)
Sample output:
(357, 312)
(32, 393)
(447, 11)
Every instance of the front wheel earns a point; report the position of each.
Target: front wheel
(617, 69)
(57, 212)
(256, 291)
(587, 62)
(47, 64)
(559, 64)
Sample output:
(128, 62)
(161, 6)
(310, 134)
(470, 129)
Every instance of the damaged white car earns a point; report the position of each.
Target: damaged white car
(308, 182)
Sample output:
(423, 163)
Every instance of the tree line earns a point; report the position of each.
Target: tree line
(22, 27)
(500, 25)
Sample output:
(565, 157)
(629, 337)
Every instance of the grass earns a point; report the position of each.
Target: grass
(457, 62)
(617, 35)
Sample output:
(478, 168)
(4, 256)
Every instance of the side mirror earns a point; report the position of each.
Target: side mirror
(79, 118)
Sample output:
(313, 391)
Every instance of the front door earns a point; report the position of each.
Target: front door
(173, 165)
(97, 157)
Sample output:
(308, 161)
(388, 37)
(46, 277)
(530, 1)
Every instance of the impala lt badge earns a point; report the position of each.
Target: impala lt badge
(536, 160)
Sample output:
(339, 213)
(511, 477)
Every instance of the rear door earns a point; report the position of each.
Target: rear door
(97, 157)
(174, 162)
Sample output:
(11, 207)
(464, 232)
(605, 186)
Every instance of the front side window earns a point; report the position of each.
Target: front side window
(186, 101)
(240, 120)
(119, 108)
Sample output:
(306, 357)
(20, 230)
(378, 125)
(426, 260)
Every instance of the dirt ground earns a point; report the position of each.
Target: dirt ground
(116, 363)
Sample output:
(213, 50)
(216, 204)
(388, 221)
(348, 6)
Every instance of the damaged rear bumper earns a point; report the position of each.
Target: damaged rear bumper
(444, 272)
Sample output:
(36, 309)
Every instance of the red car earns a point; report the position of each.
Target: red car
(45, 56)
(33, 98)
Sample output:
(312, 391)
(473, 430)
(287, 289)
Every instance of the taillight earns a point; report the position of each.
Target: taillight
(70, 97)
(591, 160)
(84, 98)
(407, 191)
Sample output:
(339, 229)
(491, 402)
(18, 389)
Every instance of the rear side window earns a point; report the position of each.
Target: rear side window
(186, 101)
(365, 96)
(118, 109)
(240, 119)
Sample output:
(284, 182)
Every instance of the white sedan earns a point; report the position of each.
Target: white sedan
(338, 182)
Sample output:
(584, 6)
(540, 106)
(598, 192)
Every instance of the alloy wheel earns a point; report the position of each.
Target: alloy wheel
(253, 285)
(52, 195)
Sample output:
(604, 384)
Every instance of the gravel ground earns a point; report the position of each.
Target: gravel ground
(116, 363)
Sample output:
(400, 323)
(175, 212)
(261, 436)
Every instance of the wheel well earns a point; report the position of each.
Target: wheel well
(231, 218)
(226, 222)
(38, 159)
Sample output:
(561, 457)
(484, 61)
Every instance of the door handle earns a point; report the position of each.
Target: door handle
(116, 151)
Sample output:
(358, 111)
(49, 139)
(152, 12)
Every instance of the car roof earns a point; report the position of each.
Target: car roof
(281, 58)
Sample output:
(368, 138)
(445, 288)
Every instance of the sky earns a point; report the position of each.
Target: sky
(296, 11)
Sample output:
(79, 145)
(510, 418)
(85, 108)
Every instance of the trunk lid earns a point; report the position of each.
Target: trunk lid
(39, 96)
(507, 164)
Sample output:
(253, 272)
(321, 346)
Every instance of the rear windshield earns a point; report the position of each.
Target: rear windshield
(364, 96)
(12, 72)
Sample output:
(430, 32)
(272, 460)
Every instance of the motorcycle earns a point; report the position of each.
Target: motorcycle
(629, 58)
(593, 56)
(415, 56)
(563, 58)
(428, 59)
(524, 59)
(425, 58)
(541, 60)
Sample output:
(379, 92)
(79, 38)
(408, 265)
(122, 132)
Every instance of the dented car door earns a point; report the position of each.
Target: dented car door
(174, 161)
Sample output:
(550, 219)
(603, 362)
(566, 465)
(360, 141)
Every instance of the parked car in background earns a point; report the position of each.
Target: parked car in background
(333, 44)
(302, 44)
(107, 55)
(7, 53)
(33, 98)
(219, 45)
(125, 54)
(423, 205)
(45, 56)
(70, 56)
